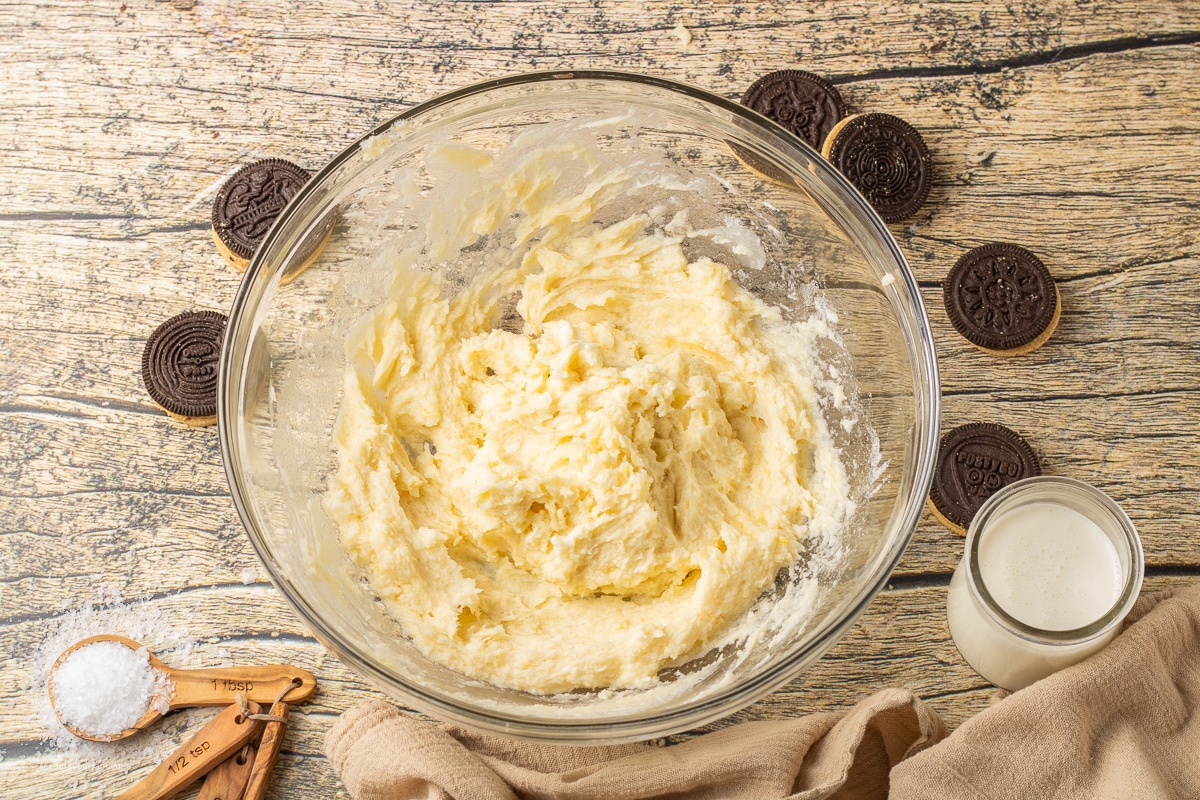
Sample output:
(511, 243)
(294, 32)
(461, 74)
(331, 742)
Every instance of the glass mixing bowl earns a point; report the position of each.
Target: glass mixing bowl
(822, 251)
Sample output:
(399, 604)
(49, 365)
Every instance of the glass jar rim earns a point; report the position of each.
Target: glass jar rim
(1003, 500)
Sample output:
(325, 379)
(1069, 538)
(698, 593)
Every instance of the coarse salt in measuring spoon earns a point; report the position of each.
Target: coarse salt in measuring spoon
(106, 687)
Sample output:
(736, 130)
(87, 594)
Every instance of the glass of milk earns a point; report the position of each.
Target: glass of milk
(1051, 568)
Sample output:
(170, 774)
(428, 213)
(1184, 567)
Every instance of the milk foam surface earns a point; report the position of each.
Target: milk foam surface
(1050, 567)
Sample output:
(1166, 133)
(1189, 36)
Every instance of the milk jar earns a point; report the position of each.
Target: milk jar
(1051, 568)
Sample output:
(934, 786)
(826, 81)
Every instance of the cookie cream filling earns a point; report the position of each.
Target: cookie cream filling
(587, 463)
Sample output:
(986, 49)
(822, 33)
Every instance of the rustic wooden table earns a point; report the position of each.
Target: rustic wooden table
(1070, 127)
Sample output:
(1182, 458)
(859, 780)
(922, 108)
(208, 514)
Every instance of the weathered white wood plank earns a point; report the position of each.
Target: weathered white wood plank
(1065, 126)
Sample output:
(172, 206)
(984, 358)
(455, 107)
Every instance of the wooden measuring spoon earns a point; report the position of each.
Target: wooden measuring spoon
(268, 751)
(228, 781)
(218, 686)
(212, 745)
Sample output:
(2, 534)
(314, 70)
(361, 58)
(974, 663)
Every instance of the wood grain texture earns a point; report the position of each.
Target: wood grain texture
(223, 737)
(1068, 127)
(228, 781)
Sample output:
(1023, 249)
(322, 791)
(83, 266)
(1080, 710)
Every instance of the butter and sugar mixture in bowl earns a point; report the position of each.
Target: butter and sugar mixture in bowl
(587, 462)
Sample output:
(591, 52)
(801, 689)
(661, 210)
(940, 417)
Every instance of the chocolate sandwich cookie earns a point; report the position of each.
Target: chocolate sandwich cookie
(973, 462)
(248, 204)
(886, 159)
(763, 167)
(179, 366)
(806, 104)
(310, 247)
(1002, 299)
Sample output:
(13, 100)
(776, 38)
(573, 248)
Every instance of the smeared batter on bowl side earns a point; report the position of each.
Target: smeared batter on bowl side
(598, 488)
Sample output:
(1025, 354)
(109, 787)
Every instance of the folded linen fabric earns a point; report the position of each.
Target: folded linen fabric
(1125, 723)
(382, 753)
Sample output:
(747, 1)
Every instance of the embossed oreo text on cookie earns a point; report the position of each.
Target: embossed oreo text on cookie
(806, 104)
(1001, 297)
(180, 364)
(249, 202)
(886, 159)
(974, 461)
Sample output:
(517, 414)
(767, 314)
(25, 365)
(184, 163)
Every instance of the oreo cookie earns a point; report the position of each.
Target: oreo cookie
(248, 204)
(973, 462)
(1002, 299)
(310, 247)
(180, 365)
(886, 159)
(763, 167)
(806, 104)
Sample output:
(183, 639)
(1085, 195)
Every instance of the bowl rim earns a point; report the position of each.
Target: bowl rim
(629, 727)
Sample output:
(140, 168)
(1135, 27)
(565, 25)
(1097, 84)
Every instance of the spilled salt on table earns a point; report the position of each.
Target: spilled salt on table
(164, 627)
(157, 626)
(105, 687)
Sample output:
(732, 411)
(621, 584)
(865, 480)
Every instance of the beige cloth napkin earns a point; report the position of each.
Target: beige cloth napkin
(1123, 724)
(383, 754)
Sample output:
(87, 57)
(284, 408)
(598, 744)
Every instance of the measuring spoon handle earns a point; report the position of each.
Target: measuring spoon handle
(222, 737)
(221, 686)
(228, 781)
(268, 751)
